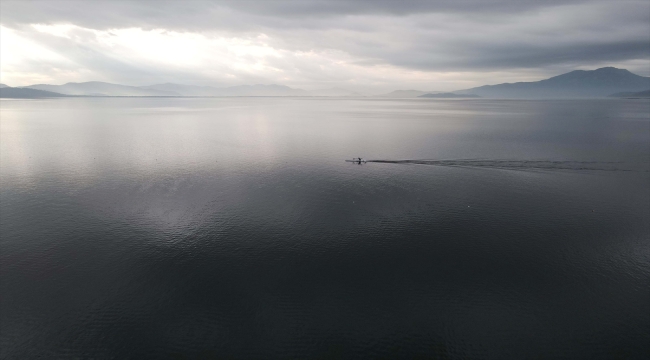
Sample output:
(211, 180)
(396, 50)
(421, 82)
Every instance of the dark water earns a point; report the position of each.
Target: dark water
(233, 228)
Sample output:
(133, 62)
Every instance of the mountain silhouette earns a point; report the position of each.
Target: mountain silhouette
(575, 84)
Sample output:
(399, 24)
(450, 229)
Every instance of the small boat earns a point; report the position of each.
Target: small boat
(357, 160)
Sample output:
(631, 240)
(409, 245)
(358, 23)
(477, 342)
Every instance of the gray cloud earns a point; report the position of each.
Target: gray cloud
(470, 36)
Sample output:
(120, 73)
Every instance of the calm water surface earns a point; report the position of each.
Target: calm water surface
(233, 228)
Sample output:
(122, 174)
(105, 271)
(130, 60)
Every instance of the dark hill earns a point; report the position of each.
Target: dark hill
(575, 84)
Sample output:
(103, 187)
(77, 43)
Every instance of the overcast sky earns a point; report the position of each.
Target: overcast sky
(369, 46)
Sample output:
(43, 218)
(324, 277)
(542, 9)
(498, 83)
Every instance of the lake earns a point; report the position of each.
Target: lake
(233, 228)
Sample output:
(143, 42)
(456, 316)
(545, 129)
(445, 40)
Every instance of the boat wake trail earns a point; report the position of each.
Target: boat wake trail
(519, 164)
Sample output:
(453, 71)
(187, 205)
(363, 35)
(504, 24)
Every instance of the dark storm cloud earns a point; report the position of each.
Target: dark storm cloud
(404, 7)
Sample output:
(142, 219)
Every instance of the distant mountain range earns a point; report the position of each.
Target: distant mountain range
(575, 84)
(597, 83)
(448, 96)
